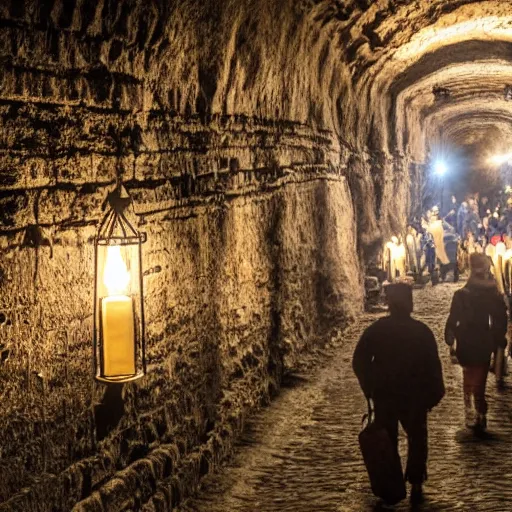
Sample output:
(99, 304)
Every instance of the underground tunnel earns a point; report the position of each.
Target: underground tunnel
(251, 159)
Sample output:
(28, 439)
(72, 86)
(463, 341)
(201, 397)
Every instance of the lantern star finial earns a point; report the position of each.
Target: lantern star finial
(119, 199)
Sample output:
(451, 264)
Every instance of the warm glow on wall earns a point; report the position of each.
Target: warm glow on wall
(500, 159)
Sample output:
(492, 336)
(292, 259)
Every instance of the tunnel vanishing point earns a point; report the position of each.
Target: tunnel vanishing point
(269, 147)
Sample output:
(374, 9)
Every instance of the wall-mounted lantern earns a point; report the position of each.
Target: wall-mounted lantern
(119, 344)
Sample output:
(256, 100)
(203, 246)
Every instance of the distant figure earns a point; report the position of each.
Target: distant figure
(477, 325)
(414, 248)
(461, 219)
(397, 364)
(429, 249)
(483, 207)
(451, 217)
(473, 222)
(436, 228)
(451, 241)
(494, 226)
(507, 218)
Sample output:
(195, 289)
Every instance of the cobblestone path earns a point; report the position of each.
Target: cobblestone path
(301, 454)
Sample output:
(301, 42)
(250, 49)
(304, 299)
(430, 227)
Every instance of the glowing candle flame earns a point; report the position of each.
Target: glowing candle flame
(115, 275)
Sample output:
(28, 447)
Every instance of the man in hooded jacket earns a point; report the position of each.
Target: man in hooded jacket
(398, 367)
(477, 325)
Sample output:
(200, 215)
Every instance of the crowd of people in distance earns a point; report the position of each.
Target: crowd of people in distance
(441, 241)
(480, 222)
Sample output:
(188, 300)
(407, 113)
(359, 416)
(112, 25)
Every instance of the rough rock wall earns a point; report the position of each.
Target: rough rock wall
(251, 256)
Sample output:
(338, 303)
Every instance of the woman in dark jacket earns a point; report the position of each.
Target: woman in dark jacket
(478, 324)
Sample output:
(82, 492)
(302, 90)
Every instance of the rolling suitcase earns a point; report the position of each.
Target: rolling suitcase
(382, 461)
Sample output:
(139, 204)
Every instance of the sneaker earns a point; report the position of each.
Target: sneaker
(416, 493)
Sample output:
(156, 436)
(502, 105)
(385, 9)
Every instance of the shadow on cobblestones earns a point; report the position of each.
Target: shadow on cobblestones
(301, 454)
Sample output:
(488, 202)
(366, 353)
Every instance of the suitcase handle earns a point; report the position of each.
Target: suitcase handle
(370, 415)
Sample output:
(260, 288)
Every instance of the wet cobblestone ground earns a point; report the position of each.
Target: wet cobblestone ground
(301, 454)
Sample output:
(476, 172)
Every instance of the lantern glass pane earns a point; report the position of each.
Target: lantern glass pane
(119, 328)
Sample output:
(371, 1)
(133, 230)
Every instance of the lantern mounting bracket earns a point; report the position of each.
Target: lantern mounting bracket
(119, 199)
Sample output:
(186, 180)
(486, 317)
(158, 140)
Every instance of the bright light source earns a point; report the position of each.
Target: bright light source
(440, 168)
(500, 159)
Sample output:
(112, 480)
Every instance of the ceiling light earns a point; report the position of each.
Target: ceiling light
(440, 168)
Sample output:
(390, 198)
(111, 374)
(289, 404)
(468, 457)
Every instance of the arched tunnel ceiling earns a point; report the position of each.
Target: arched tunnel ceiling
(357, 67)
(473, 90)
(486, 127)
(433, 70)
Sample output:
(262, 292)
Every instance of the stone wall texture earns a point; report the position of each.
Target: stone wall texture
(225, 121)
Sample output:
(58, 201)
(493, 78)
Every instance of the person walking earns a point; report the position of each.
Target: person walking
(462, 215)
(397, 364)
(477, 326)
(451, 216)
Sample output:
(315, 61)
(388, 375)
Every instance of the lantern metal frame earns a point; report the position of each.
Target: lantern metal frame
(116, 230)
